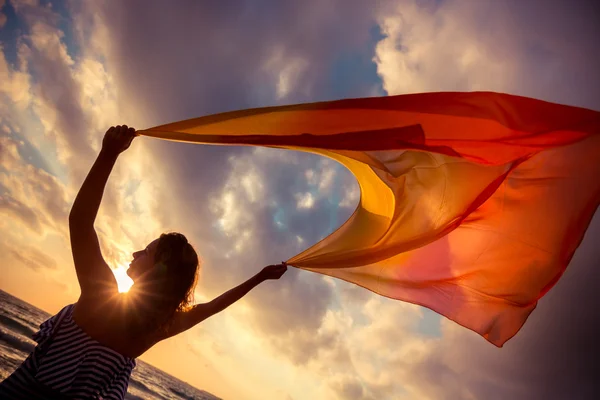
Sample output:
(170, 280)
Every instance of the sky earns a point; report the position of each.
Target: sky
(70, 70)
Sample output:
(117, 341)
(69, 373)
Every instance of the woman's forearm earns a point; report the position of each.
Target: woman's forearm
(228, 298)
(186, 319)
(87, 202)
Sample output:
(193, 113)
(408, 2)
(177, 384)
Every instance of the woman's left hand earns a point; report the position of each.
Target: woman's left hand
(118, 139)
(273, 271)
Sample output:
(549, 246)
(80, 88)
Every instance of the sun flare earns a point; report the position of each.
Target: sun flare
(124, 282)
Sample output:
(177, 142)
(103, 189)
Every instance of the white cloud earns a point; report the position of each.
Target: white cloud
(34, 197)
(243, 187)
(15, 84)
(288, 70)
(229, 213)
(252, 184)
(327, 175)
(524, 49)
(304, 200)
(311, 176)
(437, 48)
(351, 196)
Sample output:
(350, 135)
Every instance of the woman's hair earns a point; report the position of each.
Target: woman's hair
(173, 279)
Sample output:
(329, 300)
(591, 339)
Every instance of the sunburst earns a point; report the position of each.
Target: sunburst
(124, 282)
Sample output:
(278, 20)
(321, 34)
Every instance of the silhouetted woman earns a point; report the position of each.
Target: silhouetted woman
(88, 349)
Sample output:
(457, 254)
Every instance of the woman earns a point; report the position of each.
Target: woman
(88, 349)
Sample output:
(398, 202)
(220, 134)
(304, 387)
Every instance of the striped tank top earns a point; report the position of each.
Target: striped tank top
(68, 363)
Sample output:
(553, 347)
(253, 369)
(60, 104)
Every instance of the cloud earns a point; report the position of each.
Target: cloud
(365, 349)
(348, 388)
(384, 344)
(55, 108)
(442, 46)
(12, 208)
(305, 200)
(206, 52)
(516, 47)
(57, 97)
(245, 215)
(14, 83)
(3, 17)
(351, 195)
(60, 89)
(33, 258)
(150, 63)
(32, 196)
(289, 72)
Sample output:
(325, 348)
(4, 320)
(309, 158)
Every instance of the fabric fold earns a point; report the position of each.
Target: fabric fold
(472, 204)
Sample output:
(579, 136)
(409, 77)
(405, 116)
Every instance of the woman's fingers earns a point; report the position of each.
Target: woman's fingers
(119, 138)
(121, 129)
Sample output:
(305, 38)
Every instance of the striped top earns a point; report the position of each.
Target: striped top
(68, 362)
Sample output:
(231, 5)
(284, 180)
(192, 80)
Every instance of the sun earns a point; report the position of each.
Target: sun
(124, 282)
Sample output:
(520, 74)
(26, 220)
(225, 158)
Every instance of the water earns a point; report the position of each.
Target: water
(19, 320)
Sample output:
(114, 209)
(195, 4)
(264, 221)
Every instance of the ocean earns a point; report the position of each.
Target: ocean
(19, 320)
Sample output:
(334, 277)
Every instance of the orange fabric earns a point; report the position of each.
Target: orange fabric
(472, 204)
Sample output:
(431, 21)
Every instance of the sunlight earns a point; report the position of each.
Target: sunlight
(124, 282)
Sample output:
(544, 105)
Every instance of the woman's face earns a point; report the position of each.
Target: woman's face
(143, 261)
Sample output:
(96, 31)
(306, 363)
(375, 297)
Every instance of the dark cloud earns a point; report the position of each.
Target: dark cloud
(3, 17)
(199, 58)
(557, 57)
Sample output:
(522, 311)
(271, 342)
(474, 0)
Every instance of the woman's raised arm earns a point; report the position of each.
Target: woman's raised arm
(94, 275)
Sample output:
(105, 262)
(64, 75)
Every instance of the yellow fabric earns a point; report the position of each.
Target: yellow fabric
(472, 204)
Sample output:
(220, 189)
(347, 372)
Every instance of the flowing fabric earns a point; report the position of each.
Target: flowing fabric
(472, 204)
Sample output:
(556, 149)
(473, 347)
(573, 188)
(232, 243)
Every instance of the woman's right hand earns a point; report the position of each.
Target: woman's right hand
(273, 271)
(117, 139)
